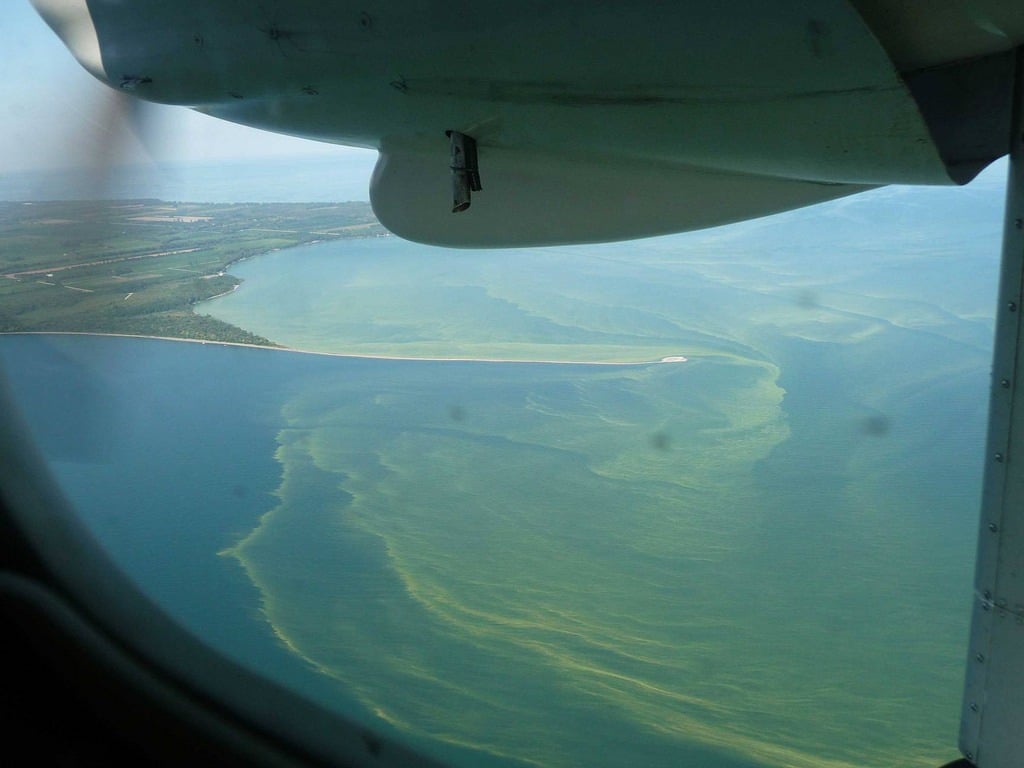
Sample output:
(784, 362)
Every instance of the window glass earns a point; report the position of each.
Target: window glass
(703, 499)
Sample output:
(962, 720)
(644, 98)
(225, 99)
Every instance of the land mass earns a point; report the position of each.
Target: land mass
(139, 267)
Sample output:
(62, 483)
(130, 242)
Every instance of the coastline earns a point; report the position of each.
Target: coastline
(397, 358)
(162, 257)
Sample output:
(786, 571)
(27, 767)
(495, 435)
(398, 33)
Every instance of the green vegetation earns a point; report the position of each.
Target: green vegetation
(139, 267)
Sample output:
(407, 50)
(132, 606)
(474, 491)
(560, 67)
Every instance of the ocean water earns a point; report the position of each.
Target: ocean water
(554, 564)
(761, 556)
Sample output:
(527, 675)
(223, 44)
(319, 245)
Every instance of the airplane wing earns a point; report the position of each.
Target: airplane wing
(589, 123)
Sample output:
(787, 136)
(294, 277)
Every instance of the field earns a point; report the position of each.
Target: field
(139, 267)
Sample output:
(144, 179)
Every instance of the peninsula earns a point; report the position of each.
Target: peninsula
(139, 267)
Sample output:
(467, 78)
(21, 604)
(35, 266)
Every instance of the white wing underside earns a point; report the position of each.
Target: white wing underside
(592, 121)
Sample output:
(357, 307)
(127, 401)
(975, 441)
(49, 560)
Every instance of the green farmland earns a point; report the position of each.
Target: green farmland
(140, 266)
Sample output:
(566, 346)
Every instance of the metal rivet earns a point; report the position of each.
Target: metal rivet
(974, 707)
(1004, 383)
(993, 527)
(984, 606)
(1018, 223)
(998, 457)
(1012, 306)
(987, 595)
(980, 658)
(969, 755)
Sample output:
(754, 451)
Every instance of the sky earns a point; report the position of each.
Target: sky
(52, 105)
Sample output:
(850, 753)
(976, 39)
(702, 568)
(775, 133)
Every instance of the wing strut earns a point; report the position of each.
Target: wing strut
(991, 735)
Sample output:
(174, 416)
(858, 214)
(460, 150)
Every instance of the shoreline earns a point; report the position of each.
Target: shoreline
(278, 348)
(665, 359)
(225, 293)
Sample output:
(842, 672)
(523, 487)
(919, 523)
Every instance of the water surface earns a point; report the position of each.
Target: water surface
(761, 556)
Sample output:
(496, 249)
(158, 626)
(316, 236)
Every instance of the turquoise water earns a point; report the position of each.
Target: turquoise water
(532, 560)
(758, 557)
